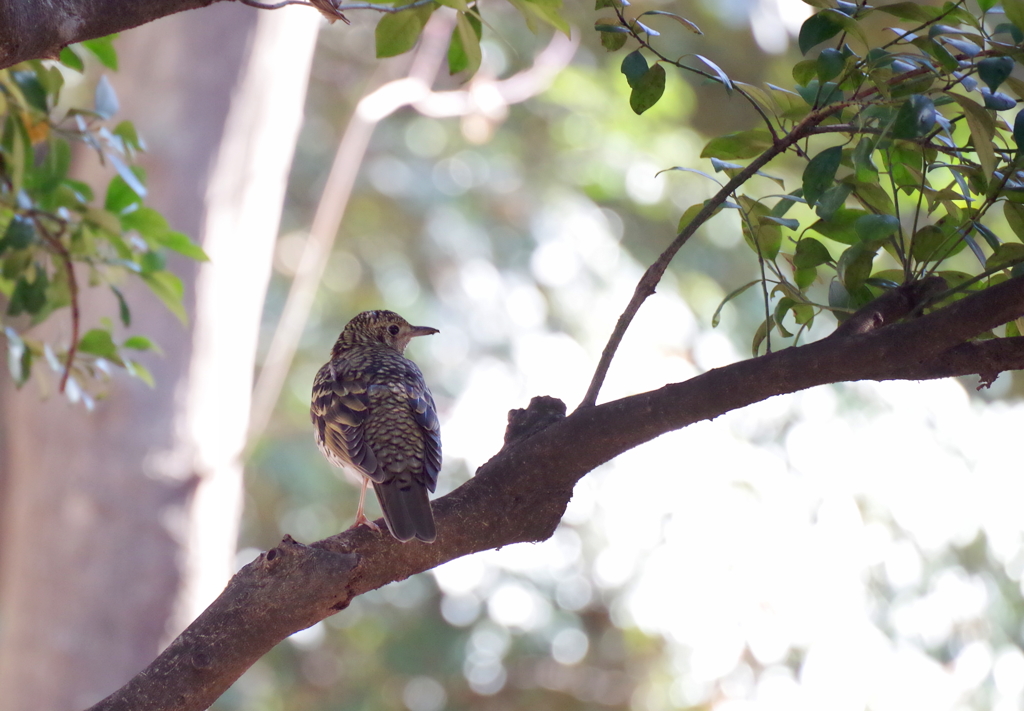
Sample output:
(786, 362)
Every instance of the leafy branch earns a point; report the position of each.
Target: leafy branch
(904, 109)
(50, 223)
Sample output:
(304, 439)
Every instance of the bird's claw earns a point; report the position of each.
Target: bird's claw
(363, 521)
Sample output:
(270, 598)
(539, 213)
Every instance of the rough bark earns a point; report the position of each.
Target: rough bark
(39, 30)
(521, 493)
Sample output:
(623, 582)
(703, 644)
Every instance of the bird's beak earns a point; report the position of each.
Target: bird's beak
(422, 331)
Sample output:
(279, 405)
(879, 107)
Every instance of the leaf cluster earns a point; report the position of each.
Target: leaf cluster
(905, 146)
(400, 28)
(56, 236)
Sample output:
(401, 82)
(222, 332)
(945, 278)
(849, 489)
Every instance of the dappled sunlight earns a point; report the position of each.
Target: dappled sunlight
(846, 547)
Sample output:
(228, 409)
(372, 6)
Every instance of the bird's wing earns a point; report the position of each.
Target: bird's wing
(425, 413)
(339, 410)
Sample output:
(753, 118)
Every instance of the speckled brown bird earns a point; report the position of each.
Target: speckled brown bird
(372, 412)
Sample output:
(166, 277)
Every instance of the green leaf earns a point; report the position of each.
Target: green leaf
(127, 133)
(863, 164)
(1014, 10)
(760, 231)
(122, 306)
(151, 262)
(648, 89)
(722, 76)
(1014, 214)
(140, 343)
(781, 309)
(760, 335)
(168, 288)
(20, 233)
(912, 11)
(717, 317)
(69, 58)
(1006, 255)
(873, 228)
(830, 64)
(149, 223)
(133, 175)
(854, 265)
(54, 167)
(98, 342)
(805, 71)
(820, 173)
(547, 11)
(982, 127)
(634, 66)
(840, 227)
(994, 70)
(29, 296)
(743, 144)
(805, 277)
(103, 48)
(833, 199)
(810, 253)
(120, 196)
(31, 89)
(691, 212)
(692, 27)
(139, 371)
(612, 41)
(928, 243)
(398, 32)
(181, 244)
(915, 118)
(816, 29)
(464, 50)
(987, 5)
(988, 235)
(816, 94)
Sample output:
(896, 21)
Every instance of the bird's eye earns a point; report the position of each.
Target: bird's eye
(393, 329)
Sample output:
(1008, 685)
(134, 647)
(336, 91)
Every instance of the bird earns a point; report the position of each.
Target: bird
(373, 413)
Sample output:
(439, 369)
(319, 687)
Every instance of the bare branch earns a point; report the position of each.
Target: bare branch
(653, 275)
(76, 319)
(521, 493)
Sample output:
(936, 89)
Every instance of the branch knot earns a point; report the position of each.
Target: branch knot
(543, 411)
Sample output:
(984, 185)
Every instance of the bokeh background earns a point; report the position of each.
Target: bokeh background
(848, 547)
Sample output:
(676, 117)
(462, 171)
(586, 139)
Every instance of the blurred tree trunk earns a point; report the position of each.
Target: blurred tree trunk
(102, 514)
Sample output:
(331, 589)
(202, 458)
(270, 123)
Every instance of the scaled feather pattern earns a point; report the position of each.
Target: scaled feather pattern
(372, 412)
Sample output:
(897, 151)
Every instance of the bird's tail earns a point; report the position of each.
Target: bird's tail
(406, 509)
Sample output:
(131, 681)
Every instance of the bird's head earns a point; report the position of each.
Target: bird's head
(375, 328)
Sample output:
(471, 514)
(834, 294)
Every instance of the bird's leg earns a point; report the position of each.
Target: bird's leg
(361, 519)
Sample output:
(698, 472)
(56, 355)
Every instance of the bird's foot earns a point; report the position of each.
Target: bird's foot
(363, 521)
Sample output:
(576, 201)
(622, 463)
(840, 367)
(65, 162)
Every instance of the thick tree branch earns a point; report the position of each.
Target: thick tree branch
(521, 493)
(39, 30)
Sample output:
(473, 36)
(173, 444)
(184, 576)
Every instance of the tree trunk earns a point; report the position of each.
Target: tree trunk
(101, 512)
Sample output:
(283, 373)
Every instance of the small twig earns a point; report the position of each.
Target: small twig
(652, 276)
(275, 6)
(332, 11)
(386, 9)
(700, 72)
(65, 256)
